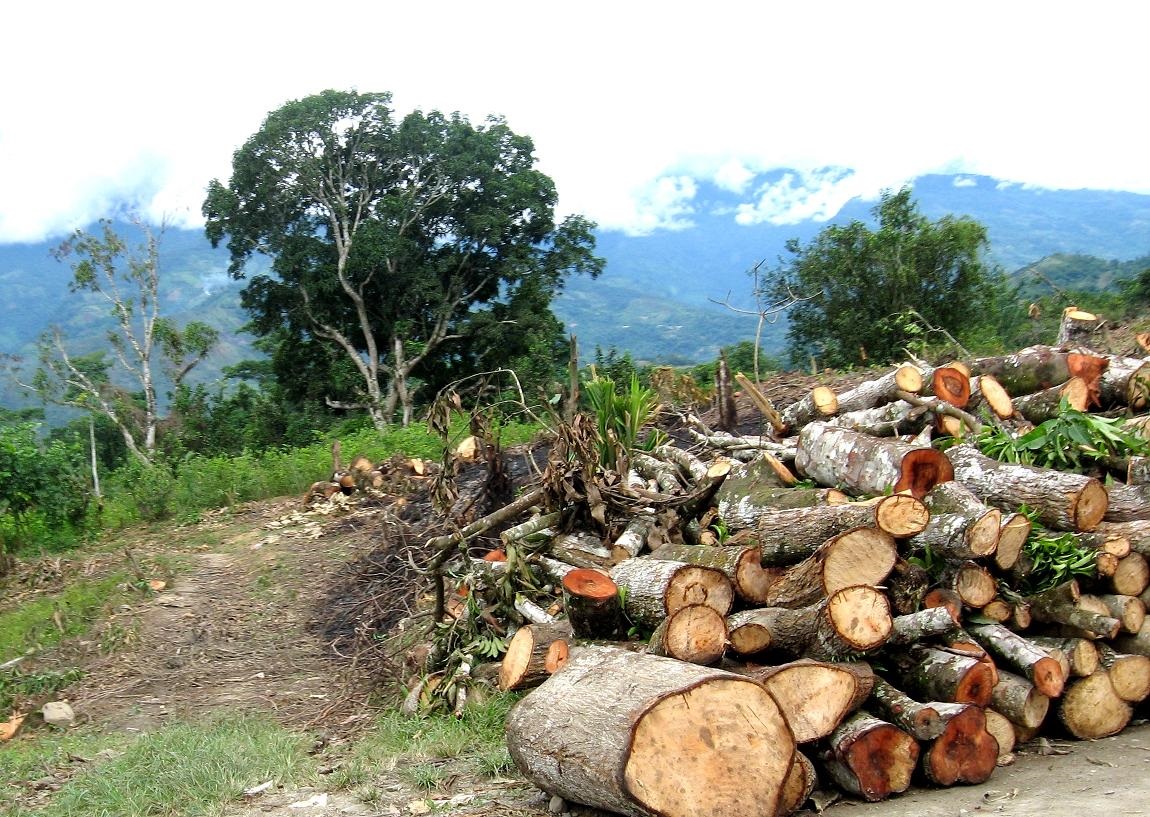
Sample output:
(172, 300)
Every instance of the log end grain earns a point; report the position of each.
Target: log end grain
(696, 634)
(700, 585)
(860, 616)
(964, 753)
(921, 469)
(1090, 505)
(1091, 709)
(1012, 536)
(856, 557)
(901, 515)
(814, 696)
(952, 385)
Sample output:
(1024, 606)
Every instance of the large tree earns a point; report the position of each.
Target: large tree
(859, 292)
(391, 238)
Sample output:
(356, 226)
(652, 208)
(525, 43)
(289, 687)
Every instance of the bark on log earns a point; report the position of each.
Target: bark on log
(815, 696)
(1074, 619)
(742, 564)
(965, 752)
(863, 464)
(1136, 532)
(1063, 501)
(887, 420)
(872, 393)
(591, 601)
(819, 404)
(860, 556)
(1027, 371)
(1043, 405)
(1081, 653)
(696, 634)
(529, 661)
(944, 675)
(656, 588)
(1128, 503)
(1012, 536)
(1091, 709)
(1078, 327)
(1127, 609)
(1126, 382)
(922, 721)
(634, 537)
(1018, 699)
(956, 536)
(871, 758)
(944, 597)
(931, 623)
(1129, 673)
(1022, 656)
(1137, 643)
(582, 549)
(644, 736)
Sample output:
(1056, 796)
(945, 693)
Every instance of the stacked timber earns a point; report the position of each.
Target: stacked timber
(714, 637)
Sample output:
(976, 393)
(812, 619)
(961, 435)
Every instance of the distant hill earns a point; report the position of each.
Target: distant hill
(660, 295)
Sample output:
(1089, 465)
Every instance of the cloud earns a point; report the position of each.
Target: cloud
(965, 181)
(816, 195)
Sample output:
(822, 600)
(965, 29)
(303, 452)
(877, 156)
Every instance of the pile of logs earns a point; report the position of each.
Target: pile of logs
(737, 638)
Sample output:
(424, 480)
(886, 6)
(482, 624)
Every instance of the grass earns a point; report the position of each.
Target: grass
(47, 619)
(185, 770)
(26, 759)
(414, 745)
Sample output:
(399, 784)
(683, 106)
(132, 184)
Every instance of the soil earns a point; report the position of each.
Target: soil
(265, 603)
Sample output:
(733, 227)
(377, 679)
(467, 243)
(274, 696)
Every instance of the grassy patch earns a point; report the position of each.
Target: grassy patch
(46, 619)
(29, 758)
(414, 745)
(186, 769)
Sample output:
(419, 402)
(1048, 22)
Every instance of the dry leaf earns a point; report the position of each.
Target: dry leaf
(10, 727)
(157, 584)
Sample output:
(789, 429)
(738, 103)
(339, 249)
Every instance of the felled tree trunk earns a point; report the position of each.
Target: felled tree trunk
(1041, 406)
(922, 721)
(820, 403)
(1129, 673)
(1081, 654)
(1063, 501)
(887, 420)
(987, 392)
(643, 736)
(950, 384)
(871, 758)
(656, 588)
(1131, 575)
(1091, 709)
(955, 536)
(591, 601)
(1128, 503)
(868, 465)
(1027, 371)
(974, 584)
(930, 623)
(815, 696)
(791, 535)
(872, 393)
(1126, 382)
(859, 556)
(943, 675)
(965, 752)
(1012, 535)
(742, 564)
(1019, 700)
(696, 634)
(1017, 652)
(582, 549)
(532, 656)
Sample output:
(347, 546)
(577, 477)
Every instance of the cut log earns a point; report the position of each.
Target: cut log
(944, 597)
(634, 538)
(997, 610)
(930, 623)
(974, 584)
(1127, 609)
(707, 486)
(944, 675)
(1063, 501)
(922, 721)
(815, 696)
(641, 735)
(1135, 532)
(986, 391)
(950, 384)
(1129, 673)
(1129, 503)
(801, 782)
(1043, 405)
(1027, 371)
(957, 536)
(887, 420)
(1074, 619)
(582, 549)
(1081, 653)
(1090, 708)
(1126, 382)
(1012, 536)
(529, 661)
(819, 404)
(656, 588)
(863, 464)
(1017, 699)
(860, 556)
(872, 393)
(1000, 727)
(1018, 653)
(1131, 576)
(1078, 327)
(852, 620)
(591, 601)
(965, 752)
(742, 564)
(1137, 643)
(870, 758)
(695, 633)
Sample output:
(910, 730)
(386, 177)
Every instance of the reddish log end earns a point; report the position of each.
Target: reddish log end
(922, 469)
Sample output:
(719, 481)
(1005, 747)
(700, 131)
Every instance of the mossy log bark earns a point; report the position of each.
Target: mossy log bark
(1063, 501)
(643, 736)
(656, 588)
(1021, 655)
(944, 675)
(860, 463)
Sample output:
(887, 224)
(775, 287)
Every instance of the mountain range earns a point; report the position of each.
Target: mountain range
(672, 296)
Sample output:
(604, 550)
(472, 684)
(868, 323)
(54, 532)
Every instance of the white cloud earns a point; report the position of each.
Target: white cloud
(815, 195)
(965, 181)
(128, 100)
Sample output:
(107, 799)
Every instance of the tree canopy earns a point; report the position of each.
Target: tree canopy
(393, 241)
(859, 292)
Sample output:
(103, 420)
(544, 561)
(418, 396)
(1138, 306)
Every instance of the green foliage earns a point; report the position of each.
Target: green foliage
(1072, 441)
(1056, 557)
(43, 492)
(740, 358)
(187, 769)
(620, 417)
(853, 286)
(148, 488)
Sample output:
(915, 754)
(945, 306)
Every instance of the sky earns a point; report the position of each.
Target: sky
(631, 105)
